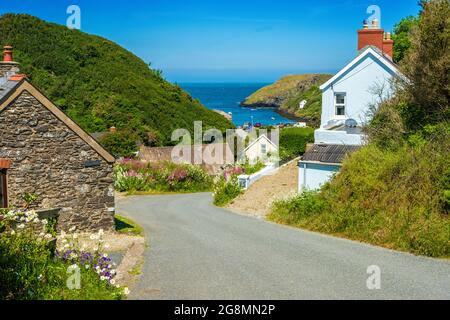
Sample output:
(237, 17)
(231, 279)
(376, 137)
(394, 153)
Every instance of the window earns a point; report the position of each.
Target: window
(263, 148)
(340, 100)
(3, 191)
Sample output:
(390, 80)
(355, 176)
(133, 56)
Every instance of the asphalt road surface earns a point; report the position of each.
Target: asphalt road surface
(198, 251)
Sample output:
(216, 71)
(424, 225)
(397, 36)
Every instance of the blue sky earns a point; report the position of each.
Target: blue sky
(229, 40)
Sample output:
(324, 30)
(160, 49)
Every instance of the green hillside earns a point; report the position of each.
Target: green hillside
(287, 93)
(100, 84)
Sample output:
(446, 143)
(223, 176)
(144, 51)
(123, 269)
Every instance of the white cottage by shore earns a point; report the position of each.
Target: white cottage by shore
(347, 99)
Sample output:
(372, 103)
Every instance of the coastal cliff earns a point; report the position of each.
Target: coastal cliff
(287, 93)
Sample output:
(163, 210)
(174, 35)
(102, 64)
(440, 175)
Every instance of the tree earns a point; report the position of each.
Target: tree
(122, 143)
(426, 67)
(402, 37)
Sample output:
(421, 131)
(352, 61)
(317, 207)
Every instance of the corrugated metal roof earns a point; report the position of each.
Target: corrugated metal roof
(328, 153)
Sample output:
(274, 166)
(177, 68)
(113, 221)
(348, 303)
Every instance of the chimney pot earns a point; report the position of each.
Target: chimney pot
(375, 24)
(8, 54)
(365, 24)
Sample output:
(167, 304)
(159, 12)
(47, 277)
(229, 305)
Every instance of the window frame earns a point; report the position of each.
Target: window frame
(340, 105)
(265, 148)
(4, 188)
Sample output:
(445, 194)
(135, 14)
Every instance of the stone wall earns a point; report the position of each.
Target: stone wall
(49, 160)
(5, 67)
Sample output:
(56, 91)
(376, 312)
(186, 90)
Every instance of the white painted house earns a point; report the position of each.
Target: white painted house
(347, 99)
(261, 149)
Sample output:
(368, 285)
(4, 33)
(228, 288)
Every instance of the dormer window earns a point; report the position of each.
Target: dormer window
(340, 100)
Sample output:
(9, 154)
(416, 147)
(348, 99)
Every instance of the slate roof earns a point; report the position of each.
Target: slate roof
(6, 87)
(328, 153)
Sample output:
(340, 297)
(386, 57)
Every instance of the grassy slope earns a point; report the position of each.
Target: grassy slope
(313, 109)
(289, 91)
(391, 198)
(99, 83)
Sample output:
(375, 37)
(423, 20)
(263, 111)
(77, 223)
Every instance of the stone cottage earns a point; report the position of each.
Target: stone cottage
(45, 153)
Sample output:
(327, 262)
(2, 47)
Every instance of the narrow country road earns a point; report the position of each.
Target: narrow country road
(198, 251)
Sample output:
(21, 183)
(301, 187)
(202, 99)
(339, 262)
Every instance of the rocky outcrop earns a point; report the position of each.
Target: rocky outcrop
(275, 95)
(286, 93)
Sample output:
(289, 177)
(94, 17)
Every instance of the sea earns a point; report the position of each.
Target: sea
(228, 97)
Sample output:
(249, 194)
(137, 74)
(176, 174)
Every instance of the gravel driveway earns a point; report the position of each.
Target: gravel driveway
(198, 251)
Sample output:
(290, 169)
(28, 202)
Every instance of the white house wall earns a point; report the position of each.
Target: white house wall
(253, 153)
(312, 176)
(357, 83)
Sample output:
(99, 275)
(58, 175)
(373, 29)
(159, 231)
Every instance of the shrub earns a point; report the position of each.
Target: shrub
(30, 269)
(249, 168)
(122, 143)
(293, 211)
(131, 175)
(293, 142)
(225, 191)
(395, 198)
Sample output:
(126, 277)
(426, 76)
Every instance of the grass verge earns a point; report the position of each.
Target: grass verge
(390, 198)
(127, 226)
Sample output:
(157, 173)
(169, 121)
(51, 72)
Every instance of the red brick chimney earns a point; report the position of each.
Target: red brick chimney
(375, 36)
(388, 45)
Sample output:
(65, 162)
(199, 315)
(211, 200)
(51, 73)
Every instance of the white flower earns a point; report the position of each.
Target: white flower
(126, 291)
(87, 267)
(44, 221)
(105, 255)
(67, 246)
(107, 246)
(101, 232)
(75, 236)
(48, 236)
(13, 232)
(36, 220)
(112, 281)
(41, 235)
(93, 237)
(102, 278)
(72, 229)
(21, 226)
